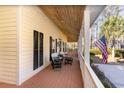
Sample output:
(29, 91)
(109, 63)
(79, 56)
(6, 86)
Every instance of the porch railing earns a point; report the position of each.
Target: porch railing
(90, 79)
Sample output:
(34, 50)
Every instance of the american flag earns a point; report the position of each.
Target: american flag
(101, 44)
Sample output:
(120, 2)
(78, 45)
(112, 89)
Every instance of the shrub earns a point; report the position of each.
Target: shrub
(123, 54)
(92, 54)
(91, 60)
(101, 76)
(109, 50)
(91, 57)
(95, 51)
(118, 52)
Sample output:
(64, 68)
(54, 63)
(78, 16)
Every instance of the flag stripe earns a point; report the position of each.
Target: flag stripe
(103, 51)
(101, 44)
(102, 48)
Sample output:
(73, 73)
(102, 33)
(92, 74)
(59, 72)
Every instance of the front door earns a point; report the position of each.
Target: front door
(38, 50)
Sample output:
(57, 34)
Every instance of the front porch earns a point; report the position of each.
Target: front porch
(27, 50)
(68, 77)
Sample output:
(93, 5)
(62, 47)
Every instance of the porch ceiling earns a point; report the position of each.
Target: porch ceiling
(67, 18)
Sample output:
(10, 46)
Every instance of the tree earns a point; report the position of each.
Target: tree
(112, 28)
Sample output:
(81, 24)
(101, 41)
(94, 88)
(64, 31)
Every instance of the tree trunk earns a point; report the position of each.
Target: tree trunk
(113, 54)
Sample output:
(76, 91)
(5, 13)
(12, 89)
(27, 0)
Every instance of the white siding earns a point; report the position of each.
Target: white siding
(34, 19)
(8, 70)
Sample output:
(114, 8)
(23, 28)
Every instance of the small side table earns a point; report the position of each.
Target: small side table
(68, 60)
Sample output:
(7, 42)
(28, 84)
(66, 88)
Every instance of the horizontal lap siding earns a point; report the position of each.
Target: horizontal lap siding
(34, 19)
(8, 44)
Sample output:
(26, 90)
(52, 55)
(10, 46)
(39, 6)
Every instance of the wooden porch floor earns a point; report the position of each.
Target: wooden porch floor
(68, 77)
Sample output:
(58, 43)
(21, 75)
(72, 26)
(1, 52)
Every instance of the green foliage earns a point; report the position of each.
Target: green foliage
(92, 54)
(91, 57)
(114, 25)
(106, 84)
(96, 51)
(101, 76)
(122, 53)
(109, 50)
(91, 60)
(119, 53)
(112, 28)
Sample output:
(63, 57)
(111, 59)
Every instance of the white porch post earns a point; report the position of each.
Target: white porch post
(19, 30)
(80, 42)
(87, 35)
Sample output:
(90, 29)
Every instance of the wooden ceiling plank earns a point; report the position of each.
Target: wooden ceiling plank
(67, 18)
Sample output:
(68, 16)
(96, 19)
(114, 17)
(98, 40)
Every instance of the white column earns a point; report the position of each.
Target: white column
(80, 43)
(19, 30)
(87, 35)
(80, 49)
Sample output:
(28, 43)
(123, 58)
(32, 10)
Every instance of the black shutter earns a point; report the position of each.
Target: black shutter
(41, 50)
(35, 56)
(60, 46)
(63, 47)
(56, 45)
(50, 47)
